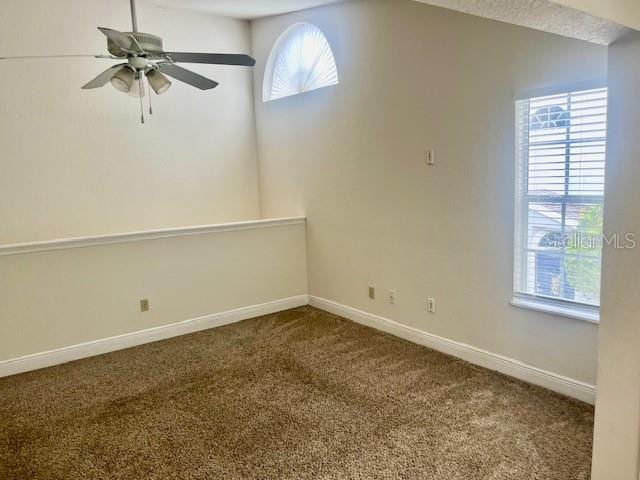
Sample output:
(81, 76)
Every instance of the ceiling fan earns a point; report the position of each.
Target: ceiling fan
(146, 59)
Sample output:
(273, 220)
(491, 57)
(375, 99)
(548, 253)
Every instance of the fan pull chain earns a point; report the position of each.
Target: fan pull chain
(141, 104)
(150, 107)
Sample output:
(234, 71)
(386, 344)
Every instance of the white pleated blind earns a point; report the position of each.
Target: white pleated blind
(302, 61)
(561, 153)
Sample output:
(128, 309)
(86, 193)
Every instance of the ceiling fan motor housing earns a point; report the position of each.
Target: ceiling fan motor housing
(149, 43)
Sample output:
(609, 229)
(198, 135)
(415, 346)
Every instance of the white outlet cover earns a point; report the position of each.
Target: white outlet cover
(392, 297)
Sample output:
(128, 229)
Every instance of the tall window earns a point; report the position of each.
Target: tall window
(561, 151)
(301, 61)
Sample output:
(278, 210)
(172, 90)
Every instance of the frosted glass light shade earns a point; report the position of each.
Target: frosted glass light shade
(158, 82)
(301, 61)
(137, 89)
(123, 79)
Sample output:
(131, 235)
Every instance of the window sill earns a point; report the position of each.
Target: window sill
(585, 314)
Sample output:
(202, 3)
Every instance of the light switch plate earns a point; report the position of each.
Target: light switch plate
(431, 157)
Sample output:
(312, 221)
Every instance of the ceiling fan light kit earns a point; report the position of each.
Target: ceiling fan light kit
(147, 60)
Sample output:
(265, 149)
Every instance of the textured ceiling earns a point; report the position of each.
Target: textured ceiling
(541, 15)
(247, 9)
(546, 15)
(625, 12)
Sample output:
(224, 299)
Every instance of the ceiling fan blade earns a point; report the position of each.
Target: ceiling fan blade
(38, 57)
(187, 76)
(104, 78)
(212, 58)
(123, 40)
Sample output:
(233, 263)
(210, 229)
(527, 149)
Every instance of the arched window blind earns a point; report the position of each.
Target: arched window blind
(301, 61)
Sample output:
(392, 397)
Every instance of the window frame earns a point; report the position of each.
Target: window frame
(523, 199)
(267, 81)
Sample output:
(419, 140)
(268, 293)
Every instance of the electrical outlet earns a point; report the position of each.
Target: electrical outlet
(144, 305)
(372, 293)
(391, 296)
(431, 305)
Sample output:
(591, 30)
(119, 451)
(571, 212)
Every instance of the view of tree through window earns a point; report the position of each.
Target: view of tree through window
(560, 186)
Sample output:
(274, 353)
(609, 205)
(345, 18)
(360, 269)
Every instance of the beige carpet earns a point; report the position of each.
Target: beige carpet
(297, 395)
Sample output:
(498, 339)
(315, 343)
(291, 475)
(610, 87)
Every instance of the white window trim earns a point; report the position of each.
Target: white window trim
(562, 309)
(561, 89)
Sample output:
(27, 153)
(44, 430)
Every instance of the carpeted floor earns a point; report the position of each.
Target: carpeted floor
(297, 395)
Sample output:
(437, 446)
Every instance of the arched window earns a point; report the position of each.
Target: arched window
(301, 61)
(550, 117)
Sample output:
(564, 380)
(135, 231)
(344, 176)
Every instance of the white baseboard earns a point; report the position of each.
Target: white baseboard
(508, 366)
(98, 347)
(483, 358)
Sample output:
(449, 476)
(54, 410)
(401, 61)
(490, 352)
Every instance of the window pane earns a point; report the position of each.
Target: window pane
(586, 172)
(560, 186)
(301, 61)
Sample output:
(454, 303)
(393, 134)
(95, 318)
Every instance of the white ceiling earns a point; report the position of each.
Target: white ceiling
(544, 15)
(247, 9)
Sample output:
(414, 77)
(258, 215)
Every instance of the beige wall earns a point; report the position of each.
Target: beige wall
(351, 158)
(79, 163)
(62, 298)
(617, 435)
